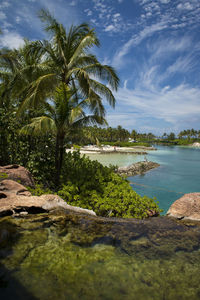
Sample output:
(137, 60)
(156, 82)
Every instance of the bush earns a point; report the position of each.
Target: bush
(90, 185)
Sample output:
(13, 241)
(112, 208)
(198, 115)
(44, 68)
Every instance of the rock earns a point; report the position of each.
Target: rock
(15, 198)
(18, 173)
(137, 168)
(8, 187)
(187, 207)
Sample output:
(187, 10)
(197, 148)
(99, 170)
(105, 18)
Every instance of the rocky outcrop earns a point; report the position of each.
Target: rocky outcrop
(137, 168)
(187, 207)
(17, 173)
(16, 199)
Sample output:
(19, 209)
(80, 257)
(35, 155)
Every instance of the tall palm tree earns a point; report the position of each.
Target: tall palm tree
(62, 63)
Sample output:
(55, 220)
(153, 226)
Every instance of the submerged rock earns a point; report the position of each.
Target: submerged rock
(18, 173)
(15, 198)
(64, 255)
(137, 168)
(187, 207)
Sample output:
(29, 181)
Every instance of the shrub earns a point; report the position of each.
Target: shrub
(90, 185)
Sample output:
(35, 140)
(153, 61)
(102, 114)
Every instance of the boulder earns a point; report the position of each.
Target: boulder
(187, 207)
(10, 187)
(15, 198)
(18, 173)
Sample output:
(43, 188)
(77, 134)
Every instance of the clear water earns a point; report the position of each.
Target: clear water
(68, 257)
(179, 173)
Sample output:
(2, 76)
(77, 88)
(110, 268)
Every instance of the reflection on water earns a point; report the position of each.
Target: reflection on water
(60, 256)
(178, 174)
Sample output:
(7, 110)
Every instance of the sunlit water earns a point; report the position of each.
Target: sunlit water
(179, 172)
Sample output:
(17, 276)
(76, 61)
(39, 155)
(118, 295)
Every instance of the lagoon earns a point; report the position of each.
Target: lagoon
(179, 172)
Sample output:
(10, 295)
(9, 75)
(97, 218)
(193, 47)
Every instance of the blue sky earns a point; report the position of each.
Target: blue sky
(154, 46)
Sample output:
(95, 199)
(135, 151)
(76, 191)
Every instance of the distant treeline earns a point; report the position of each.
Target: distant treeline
(95, 135)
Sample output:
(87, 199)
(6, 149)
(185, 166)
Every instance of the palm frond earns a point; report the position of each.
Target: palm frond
(104, 72)
(38, 126)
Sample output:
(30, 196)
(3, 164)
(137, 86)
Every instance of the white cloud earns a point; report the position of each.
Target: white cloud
(186, 6)
(140, 108)
(110, 28)
(73, 3)
(18, 19)
(4, 4)
(164, 1)
(137, 39)
(2, 16)
(11, 40)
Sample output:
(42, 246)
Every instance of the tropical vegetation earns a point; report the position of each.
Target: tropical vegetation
(51, 92)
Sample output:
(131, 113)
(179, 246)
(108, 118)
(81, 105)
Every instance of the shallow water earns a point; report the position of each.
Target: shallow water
(178, 174)
(63, 256)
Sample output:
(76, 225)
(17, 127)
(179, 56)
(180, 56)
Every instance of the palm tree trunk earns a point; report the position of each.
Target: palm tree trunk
(59, 158)
(57, 169)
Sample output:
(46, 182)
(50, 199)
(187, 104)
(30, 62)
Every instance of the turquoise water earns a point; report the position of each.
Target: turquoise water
(178, 174)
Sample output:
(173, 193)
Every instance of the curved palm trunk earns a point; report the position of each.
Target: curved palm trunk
(59, 158)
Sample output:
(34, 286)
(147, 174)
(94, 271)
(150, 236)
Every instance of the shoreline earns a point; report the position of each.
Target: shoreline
(113, 150)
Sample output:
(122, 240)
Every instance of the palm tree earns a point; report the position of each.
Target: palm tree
(63, 114)
(68, 61)
(62, 71)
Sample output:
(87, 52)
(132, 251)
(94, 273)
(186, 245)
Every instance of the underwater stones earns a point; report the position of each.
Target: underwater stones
(18, 173)
(137, 168)
(187, 207)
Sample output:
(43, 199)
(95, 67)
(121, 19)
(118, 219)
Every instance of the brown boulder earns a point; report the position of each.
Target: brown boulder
(15, 198)
(8, 187)
(187, 207)
(18, 173)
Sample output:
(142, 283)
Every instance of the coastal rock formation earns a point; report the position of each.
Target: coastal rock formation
(15, 198)
(18, 173)
(137, 168)
(187, 207)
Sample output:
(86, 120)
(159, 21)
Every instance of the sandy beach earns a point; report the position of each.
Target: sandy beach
(112, 149)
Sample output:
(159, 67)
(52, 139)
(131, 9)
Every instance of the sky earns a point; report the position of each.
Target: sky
(154, 45)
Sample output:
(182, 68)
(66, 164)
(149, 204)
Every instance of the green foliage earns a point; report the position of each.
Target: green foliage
(76, 147)
(127, 144)
(91, 185)
(3, 176)
(39, 190)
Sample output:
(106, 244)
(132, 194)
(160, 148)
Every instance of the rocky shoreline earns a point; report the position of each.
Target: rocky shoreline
(16, 200)
(137, 168)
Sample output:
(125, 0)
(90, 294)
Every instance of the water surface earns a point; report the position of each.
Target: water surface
(179, 172)
(63, 256)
